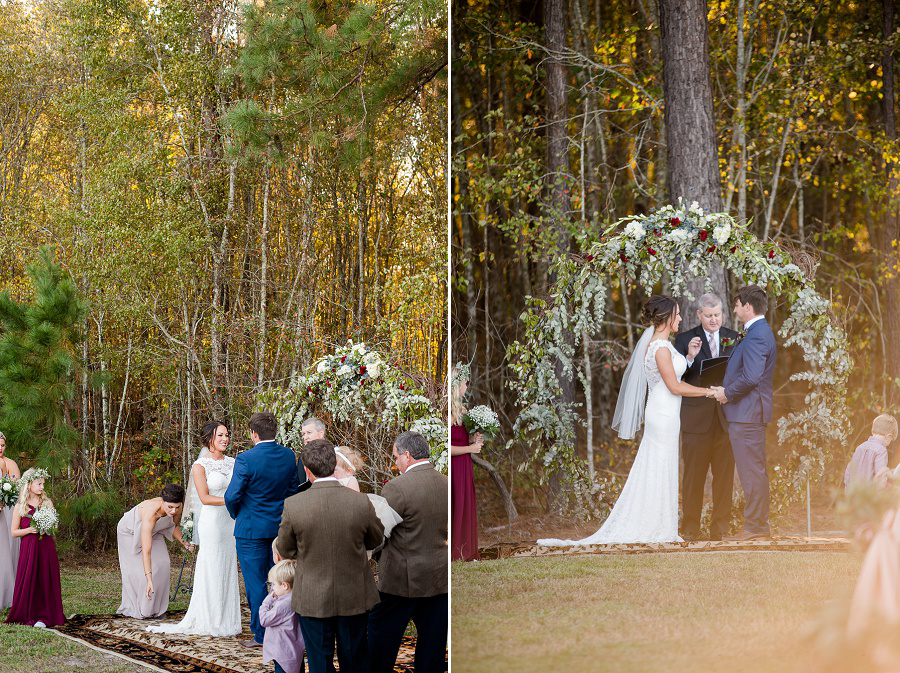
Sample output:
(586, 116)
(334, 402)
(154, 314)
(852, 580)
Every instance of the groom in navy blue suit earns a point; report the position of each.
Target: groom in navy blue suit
(263, 477)
(746, 397)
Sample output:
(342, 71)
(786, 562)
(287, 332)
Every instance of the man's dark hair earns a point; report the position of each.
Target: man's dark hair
(755, 296)
(318, 455)
(173, 493)
(414, 444)
(264, 424)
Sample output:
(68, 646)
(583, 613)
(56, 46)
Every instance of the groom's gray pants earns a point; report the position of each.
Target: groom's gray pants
(748, 441)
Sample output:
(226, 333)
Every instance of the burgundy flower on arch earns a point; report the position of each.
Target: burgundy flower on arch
(733, 249)
(362, 370)
(343, 358)
(623, 257)
(704, 234)
(771, 254)
(711, 248)
(674, 221)
(651, 251)
(590, 258)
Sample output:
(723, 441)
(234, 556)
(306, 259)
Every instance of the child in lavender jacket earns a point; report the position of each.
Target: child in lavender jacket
(282, 643)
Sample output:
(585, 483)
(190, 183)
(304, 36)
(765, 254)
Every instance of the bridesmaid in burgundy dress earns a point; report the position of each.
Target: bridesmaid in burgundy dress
(463, 517)
(37, 600)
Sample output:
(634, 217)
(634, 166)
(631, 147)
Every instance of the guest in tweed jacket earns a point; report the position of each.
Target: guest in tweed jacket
(328, 529)
(412, 570)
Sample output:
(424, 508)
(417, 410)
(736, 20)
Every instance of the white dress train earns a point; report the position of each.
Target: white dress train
(215, 607)
(647, 508)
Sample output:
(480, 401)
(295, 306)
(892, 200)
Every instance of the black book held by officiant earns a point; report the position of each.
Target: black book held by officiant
(712, 371)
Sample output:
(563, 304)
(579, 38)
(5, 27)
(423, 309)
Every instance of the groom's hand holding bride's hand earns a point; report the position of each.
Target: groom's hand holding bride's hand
(719, 394)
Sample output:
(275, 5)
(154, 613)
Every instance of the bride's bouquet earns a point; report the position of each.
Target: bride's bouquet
(187, 529)
(9, 491)
(45, 521)
(482, 419)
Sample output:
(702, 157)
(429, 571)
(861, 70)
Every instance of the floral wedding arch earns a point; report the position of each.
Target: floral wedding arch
(677, 243)
(365, 402)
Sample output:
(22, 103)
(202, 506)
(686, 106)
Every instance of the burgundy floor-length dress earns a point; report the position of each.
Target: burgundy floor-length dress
(38, 594)
(463, 518)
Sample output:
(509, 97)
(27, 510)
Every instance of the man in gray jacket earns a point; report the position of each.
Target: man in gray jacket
(328, 529)
(412, 570)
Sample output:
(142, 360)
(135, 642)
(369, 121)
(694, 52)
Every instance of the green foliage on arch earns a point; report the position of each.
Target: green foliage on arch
(681, 243)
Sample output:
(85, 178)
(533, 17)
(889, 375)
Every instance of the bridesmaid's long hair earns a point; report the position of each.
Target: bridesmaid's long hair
(457, 410)
(25, 491)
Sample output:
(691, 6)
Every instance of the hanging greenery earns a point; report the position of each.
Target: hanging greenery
(681, 243)
(365, 402)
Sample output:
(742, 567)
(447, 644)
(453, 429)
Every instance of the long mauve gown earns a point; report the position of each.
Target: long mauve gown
(38, 595)
(134, 585)
(463, 518)
(9, 557)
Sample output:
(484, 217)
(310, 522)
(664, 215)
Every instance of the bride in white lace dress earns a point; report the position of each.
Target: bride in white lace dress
(647, 508)
(215, 607)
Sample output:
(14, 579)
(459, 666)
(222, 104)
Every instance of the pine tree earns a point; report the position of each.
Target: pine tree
(324, 72)
(38, 366)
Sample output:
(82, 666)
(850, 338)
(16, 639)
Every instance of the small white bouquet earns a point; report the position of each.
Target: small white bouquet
(9, 491)
(45, 520)
(187, 529)
(482, 419)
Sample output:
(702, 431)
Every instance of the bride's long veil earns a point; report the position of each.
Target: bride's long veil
(629, 412)
(192, 504)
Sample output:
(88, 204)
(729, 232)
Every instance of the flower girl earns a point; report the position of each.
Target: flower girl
(37, 599)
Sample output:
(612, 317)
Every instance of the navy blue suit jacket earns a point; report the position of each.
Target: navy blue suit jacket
(263, 477)
(748, 377)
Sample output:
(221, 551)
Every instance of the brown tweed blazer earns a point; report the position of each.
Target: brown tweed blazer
(328, 529)
(414, 559)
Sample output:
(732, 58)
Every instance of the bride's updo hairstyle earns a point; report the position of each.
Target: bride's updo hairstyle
(208, 431)
(658, 311)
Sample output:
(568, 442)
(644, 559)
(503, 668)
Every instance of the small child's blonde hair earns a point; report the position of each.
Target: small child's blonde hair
(885, 425)
(283, 572)
(352, 457)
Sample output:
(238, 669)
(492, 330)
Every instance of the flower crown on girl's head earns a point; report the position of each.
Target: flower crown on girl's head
(33, 474)
(462, 374)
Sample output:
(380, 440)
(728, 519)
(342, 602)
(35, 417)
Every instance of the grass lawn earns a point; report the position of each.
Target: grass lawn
(729, 611)
(89, 585)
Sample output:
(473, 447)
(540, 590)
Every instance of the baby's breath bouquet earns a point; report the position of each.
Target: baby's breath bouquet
(482, 419)
(187, 529)
(9, 491)
(45, 520)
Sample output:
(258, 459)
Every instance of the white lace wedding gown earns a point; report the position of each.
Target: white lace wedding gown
(215, 607)
(647, 508)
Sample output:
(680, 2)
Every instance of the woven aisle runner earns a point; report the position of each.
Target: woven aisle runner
(130, 639)
(784, 544)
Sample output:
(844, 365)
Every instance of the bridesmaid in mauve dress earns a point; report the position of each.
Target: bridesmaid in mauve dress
(9, 545)
(143, 555)
(37, 600)
(463, 518)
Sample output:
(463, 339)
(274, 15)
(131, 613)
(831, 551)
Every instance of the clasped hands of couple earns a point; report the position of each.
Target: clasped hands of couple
(718, 392)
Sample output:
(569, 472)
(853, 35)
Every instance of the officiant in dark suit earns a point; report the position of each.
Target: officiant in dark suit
(704, 440)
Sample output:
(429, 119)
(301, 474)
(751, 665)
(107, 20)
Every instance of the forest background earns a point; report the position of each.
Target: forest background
(563, 124)
(235, 190)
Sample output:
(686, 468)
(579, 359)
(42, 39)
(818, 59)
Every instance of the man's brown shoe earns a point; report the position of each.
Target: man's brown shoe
(746, 535)
(249, 643)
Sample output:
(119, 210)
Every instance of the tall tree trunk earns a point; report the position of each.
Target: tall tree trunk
(693, 157)
(263, 283)
(891, 224)
(215, 335)
(558, 170)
